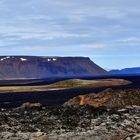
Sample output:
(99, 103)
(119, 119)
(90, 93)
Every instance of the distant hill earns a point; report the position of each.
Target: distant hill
(16, 67)
(135, 70)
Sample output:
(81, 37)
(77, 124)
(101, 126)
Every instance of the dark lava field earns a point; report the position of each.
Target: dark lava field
(69, 122)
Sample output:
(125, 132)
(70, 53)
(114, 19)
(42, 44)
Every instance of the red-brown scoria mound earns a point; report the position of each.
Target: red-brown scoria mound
(108, 98)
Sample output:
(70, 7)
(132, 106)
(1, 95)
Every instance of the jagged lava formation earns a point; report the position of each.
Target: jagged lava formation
(20, 67)
(37, 122)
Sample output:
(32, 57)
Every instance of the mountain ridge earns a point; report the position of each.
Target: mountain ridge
(15, 67)
(133, 70)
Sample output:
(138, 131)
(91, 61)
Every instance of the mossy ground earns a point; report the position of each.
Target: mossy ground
(72, 83)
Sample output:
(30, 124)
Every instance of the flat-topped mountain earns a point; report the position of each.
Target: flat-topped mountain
(16, 67)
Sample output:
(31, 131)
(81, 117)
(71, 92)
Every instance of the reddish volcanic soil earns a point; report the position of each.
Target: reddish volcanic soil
(108, 98)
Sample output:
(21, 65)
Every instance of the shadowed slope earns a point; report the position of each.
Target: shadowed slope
(20, 67)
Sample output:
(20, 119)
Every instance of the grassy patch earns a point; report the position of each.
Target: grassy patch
(73, 83)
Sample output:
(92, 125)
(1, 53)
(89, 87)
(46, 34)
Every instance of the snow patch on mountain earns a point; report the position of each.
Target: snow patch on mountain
(51, 59)
(54, 59)
(23, 59)
(4, 58)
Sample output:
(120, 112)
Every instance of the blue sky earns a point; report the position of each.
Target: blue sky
(107, 31)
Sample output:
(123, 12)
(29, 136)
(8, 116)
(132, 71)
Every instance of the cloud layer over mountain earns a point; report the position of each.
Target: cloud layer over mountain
(107, 31)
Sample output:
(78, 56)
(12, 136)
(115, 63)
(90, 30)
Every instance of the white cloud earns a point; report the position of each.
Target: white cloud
(95, 46)
(76, 27)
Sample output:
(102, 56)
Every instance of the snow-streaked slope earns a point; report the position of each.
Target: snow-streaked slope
(15, 67)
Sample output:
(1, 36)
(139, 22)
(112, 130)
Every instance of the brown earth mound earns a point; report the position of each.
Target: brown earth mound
(108, 98)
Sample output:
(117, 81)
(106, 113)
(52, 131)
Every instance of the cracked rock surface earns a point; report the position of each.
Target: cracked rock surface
(69, 123)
